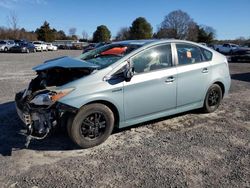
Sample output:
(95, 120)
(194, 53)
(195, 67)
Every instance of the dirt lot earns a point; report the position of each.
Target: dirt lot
(186, 150)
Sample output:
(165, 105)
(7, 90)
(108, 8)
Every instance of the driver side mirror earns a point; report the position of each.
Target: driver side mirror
(128, 72)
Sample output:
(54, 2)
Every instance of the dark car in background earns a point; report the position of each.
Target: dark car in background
(241, 54)
(23, 47)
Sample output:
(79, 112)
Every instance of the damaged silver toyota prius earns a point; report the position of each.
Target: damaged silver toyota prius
(119, 85)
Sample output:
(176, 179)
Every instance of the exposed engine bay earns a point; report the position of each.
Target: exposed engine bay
(37, 105)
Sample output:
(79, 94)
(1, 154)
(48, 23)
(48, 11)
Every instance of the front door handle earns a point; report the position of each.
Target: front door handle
(169, 79)
(204, 70)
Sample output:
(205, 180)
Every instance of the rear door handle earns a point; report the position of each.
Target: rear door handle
(169, 79)
(204, 70)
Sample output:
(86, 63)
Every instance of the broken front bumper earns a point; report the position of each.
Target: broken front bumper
(26, 118)
(39, 120)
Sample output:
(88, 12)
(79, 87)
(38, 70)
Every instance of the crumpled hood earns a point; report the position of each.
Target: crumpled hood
(65, 62)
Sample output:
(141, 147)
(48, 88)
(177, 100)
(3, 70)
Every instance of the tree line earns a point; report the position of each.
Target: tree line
(177, 24)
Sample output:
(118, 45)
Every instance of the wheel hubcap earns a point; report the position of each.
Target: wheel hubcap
(93, 125)
(213, 98)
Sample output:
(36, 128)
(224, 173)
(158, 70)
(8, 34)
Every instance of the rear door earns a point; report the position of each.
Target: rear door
(193, 71)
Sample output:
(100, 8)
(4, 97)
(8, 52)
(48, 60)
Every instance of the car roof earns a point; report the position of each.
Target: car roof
(153, 42)
(135, 42)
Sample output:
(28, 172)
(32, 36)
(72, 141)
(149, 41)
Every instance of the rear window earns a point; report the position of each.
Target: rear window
(2, 42)
(188, 54)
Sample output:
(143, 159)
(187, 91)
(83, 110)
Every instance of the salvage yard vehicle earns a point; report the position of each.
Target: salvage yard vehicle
(227, 48)
(51, 47)
(119, 85)
(241, 54)
(5, 45)
(23, 47)
(40, 46)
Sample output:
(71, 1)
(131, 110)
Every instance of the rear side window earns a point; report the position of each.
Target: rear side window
(188, 54)
(207, 54)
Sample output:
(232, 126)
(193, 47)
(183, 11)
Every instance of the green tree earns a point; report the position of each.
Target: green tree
(206, 34)
(102, 34)
(60, 35)
(45, 33)
(141, 29)
(123, 34)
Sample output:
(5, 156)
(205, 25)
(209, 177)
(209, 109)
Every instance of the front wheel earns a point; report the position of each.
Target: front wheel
(213, 98)
(92, 125)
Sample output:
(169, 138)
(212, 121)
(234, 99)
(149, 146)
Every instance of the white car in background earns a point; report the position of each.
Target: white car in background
(51, 47)
(40, 46)
(5, 45)
(227, 48)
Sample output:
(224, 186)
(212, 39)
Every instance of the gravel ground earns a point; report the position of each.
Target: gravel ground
(186, 150)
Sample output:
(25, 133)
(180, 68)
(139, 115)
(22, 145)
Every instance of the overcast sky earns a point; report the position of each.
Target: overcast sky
(230, 18)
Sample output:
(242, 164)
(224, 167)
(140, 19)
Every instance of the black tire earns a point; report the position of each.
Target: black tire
(213, 99)
(92, 125)
(5, 49)
(70, 119)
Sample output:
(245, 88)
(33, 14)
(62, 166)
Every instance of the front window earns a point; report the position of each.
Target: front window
(107, 55)
(156, 58)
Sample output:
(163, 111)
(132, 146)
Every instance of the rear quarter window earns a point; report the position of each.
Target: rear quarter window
(206, 54)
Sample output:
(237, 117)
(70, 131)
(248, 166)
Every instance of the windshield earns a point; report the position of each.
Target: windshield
(107, 55)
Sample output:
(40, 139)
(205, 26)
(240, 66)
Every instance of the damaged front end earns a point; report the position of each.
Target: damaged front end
(38, 106)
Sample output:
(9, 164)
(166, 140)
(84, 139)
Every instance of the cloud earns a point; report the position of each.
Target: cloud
(10, 4)
(7, 3)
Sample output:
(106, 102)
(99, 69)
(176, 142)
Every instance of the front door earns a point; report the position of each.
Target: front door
(153, 87)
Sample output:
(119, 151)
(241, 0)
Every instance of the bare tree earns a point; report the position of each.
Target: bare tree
(193, 32)
(85, 35)
(72, 31)
(179, 22)
(12, 20)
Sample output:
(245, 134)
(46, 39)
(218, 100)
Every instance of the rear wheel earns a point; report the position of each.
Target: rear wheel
(213, 98)
(92, 125)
